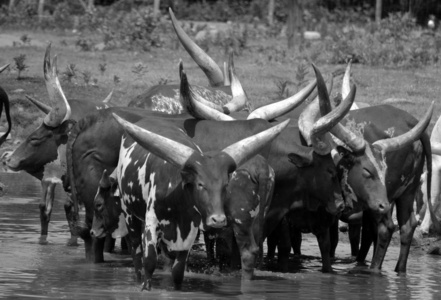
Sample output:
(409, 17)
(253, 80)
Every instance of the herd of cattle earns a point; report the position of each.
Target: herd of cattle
(204, 158)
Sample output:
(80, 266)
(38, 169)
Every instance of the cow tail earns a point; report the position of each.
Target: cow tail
(73, 134)
(4, 99)
(425, 140)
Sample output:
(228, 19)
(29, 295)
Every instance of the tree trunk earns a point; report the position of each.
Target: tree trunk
(295, 22)
(271, 12)
(11, 5)
(378, 11)
(156, 4)
(40, 10)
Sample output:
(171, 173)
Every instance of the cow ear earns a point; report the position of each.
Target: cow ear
(346, 154)
(298, 160)
(66, 126)
(188, 176)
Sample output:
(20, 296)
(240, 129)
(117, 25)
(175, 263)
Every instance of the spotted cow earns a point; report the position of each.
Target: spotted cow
(42, 153)
(167, 194)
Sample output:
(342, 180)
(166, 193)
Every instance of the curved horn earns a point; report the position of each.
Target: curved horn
(195, 107)
(245, 149)
(398, 142)
(60, 107)
(240, 99)
(227, 81)
(205, 62)
(315, 132)
(105, 180)
(169, 150)
(354, 142)
(346, 82)
(4, 68)
(107, 99)
(274, 110)
(40, 105)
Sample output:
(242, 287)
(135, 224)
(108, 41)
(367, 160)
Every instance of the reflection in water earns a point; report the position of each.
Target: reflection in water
(56, 271)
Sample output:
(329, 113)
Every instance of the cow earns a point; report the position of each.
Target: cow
(94, 145)
(45, 145)
(4, 102)
(435, 191)
(306, 194)
(249, 194)
(383, 154)
(165, 97)
(169, 188)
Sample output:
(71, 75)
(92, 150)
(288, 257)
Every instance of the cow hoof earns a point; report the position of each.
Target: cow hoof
(72, 242)
(147, 286)
(43, 240)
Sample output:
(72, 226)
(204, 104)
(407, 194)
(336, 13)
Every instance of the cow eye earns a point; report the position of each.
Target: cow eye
(200, 186)
(367, 174)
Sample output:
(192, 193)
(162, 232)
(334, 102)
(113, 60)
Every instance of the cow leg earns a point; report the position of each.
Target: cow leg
(386, 228)
(98, 249)
(354, 233)
(407, 222)
(71, 218)
(296, 240)
(46, 203)
(248, 248)
(284, 245)
(324, 242)
(179, 268)
(333, 236)
(150, 255)
(271, 242)
(210, 241)
(109, 244)
(367, 237)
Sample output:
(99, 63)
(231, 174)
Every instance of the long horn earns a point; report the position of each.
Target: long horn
(194, 107)
(315, 133)
(169, 150)
(395, 143)
(245, 149)
(227, 81)
(4, 68)
(205, 62)
(107, 99)
(354, 142)
(274, 110)
(436, 148)
(40, 105)
(60, 107)
(240, 99)
(346, 82)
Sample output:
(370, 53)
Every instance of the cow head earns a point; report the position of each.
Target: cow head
(362, 163)
(40, 147)
(204, 175)
(108, 215)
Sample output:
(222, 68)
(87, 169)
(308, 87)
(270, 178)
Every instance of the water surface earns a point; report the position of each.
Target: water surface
(56, 271)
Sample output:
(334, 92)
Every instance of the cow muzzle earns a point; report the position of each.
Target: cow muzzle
(336, 206)
(381, 207)
(217, 220)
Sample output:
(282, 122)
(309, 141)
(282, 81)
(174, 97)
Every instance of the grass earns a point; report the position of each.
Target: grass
(258, 74)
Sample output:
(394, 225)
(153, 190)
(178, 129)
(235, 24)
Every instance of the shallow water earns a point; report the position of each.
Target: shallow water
(57, 271)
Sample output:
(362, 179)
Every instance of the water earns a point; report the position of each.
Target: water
(56, 271)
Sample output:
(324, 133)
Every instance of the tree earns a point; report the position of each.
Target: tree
(11, 5)
(40, 10)
(295, 21)
(89, 7)
(156, 5)
(378, 11)
(271, 12)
